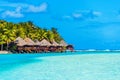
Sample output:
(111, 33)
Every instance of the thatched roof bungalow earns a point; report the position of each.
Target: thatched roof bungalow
(20, 42)
(44, 45)
(70, 47)
(37, 43)
(29, 47)
(44, 42)
(63, 43)
(54, 43)
(29, 42)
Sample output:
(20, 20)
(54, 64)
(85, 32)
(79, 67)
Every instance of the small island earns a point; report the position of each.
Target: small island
(25, 37)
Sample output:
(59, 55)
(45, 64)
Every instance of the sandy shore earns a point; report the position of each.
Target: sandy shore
(4, 52)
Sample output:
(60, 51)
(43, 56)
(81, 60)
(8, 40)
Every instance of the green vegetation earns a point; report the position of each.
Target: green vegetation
(10, 31)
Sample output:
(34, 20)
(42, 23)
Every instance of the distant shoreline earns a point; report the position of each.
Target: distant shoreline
(8, 52)
(97, 50)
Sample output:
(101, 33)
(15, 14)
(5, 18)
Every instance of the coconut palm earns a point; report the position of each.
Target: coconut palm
(1, 40)
(9, 36)
(50, 36)
(10, 31)
(57, 36)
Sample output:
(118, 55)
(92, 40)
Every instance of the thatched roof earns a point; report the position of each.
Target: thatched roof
(37, 42)
(20, 42)
(44, 42)
(54, 43)
(63, 43)
(29, 41)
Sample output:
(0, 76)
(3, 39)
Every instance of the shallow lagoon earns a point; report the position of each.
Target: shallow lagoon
(61, 66)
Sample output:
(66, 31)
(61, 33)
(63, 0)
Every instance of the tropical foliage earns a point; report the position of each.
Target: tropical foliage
(10, 31)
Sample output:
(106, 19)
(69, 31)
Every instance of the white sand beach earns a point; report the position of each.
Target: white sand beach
(4, 52)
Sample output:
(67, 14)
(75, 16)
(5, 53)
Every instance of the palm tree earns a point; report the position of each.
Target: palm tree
(2, 37)
(1, 41)
(57, 36)
(50, 36)
(10, 31)
(9, 36)
(42, 34)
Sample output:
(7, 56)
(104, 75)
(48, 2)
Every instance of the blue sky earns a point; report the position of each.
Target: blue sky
(87, 24)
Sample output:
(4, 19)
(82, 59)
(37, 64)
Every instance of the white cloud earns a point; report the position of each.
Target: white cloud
(26, 7)
(77, 15)
(82, 15)
(16, 14)
(97, 13)
(41, 8)
(85, 15)
(67, 17)
(21, 7)
(9, 4)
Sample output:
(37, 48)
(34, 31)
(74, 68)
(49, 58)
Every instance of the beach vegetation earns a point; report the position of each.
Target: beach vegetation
(9, 31)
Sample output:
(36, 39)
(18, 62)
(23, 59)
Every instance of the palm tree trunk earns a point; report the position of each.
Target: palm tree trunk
(1, 47)
(7, 46)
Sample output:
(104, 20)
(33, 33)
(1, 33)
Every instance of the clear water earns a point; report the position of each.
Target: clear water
(68, 66)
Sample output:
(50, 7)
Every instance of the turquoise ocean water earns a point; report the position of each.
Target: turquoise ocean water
(61, 66)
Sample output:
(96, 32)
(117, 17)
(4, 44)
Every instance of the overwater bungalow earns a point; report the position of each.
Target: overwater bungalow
(63, 43)
(20, 44)
(70, 47)
(54, 43)
(36, 42)
(37, 45)
(29, 47)
(53, 47)
(44, 45)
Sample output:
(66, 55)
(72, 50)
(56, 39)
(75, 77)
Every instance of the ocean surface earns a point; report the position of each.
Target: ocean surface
(61, 66)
